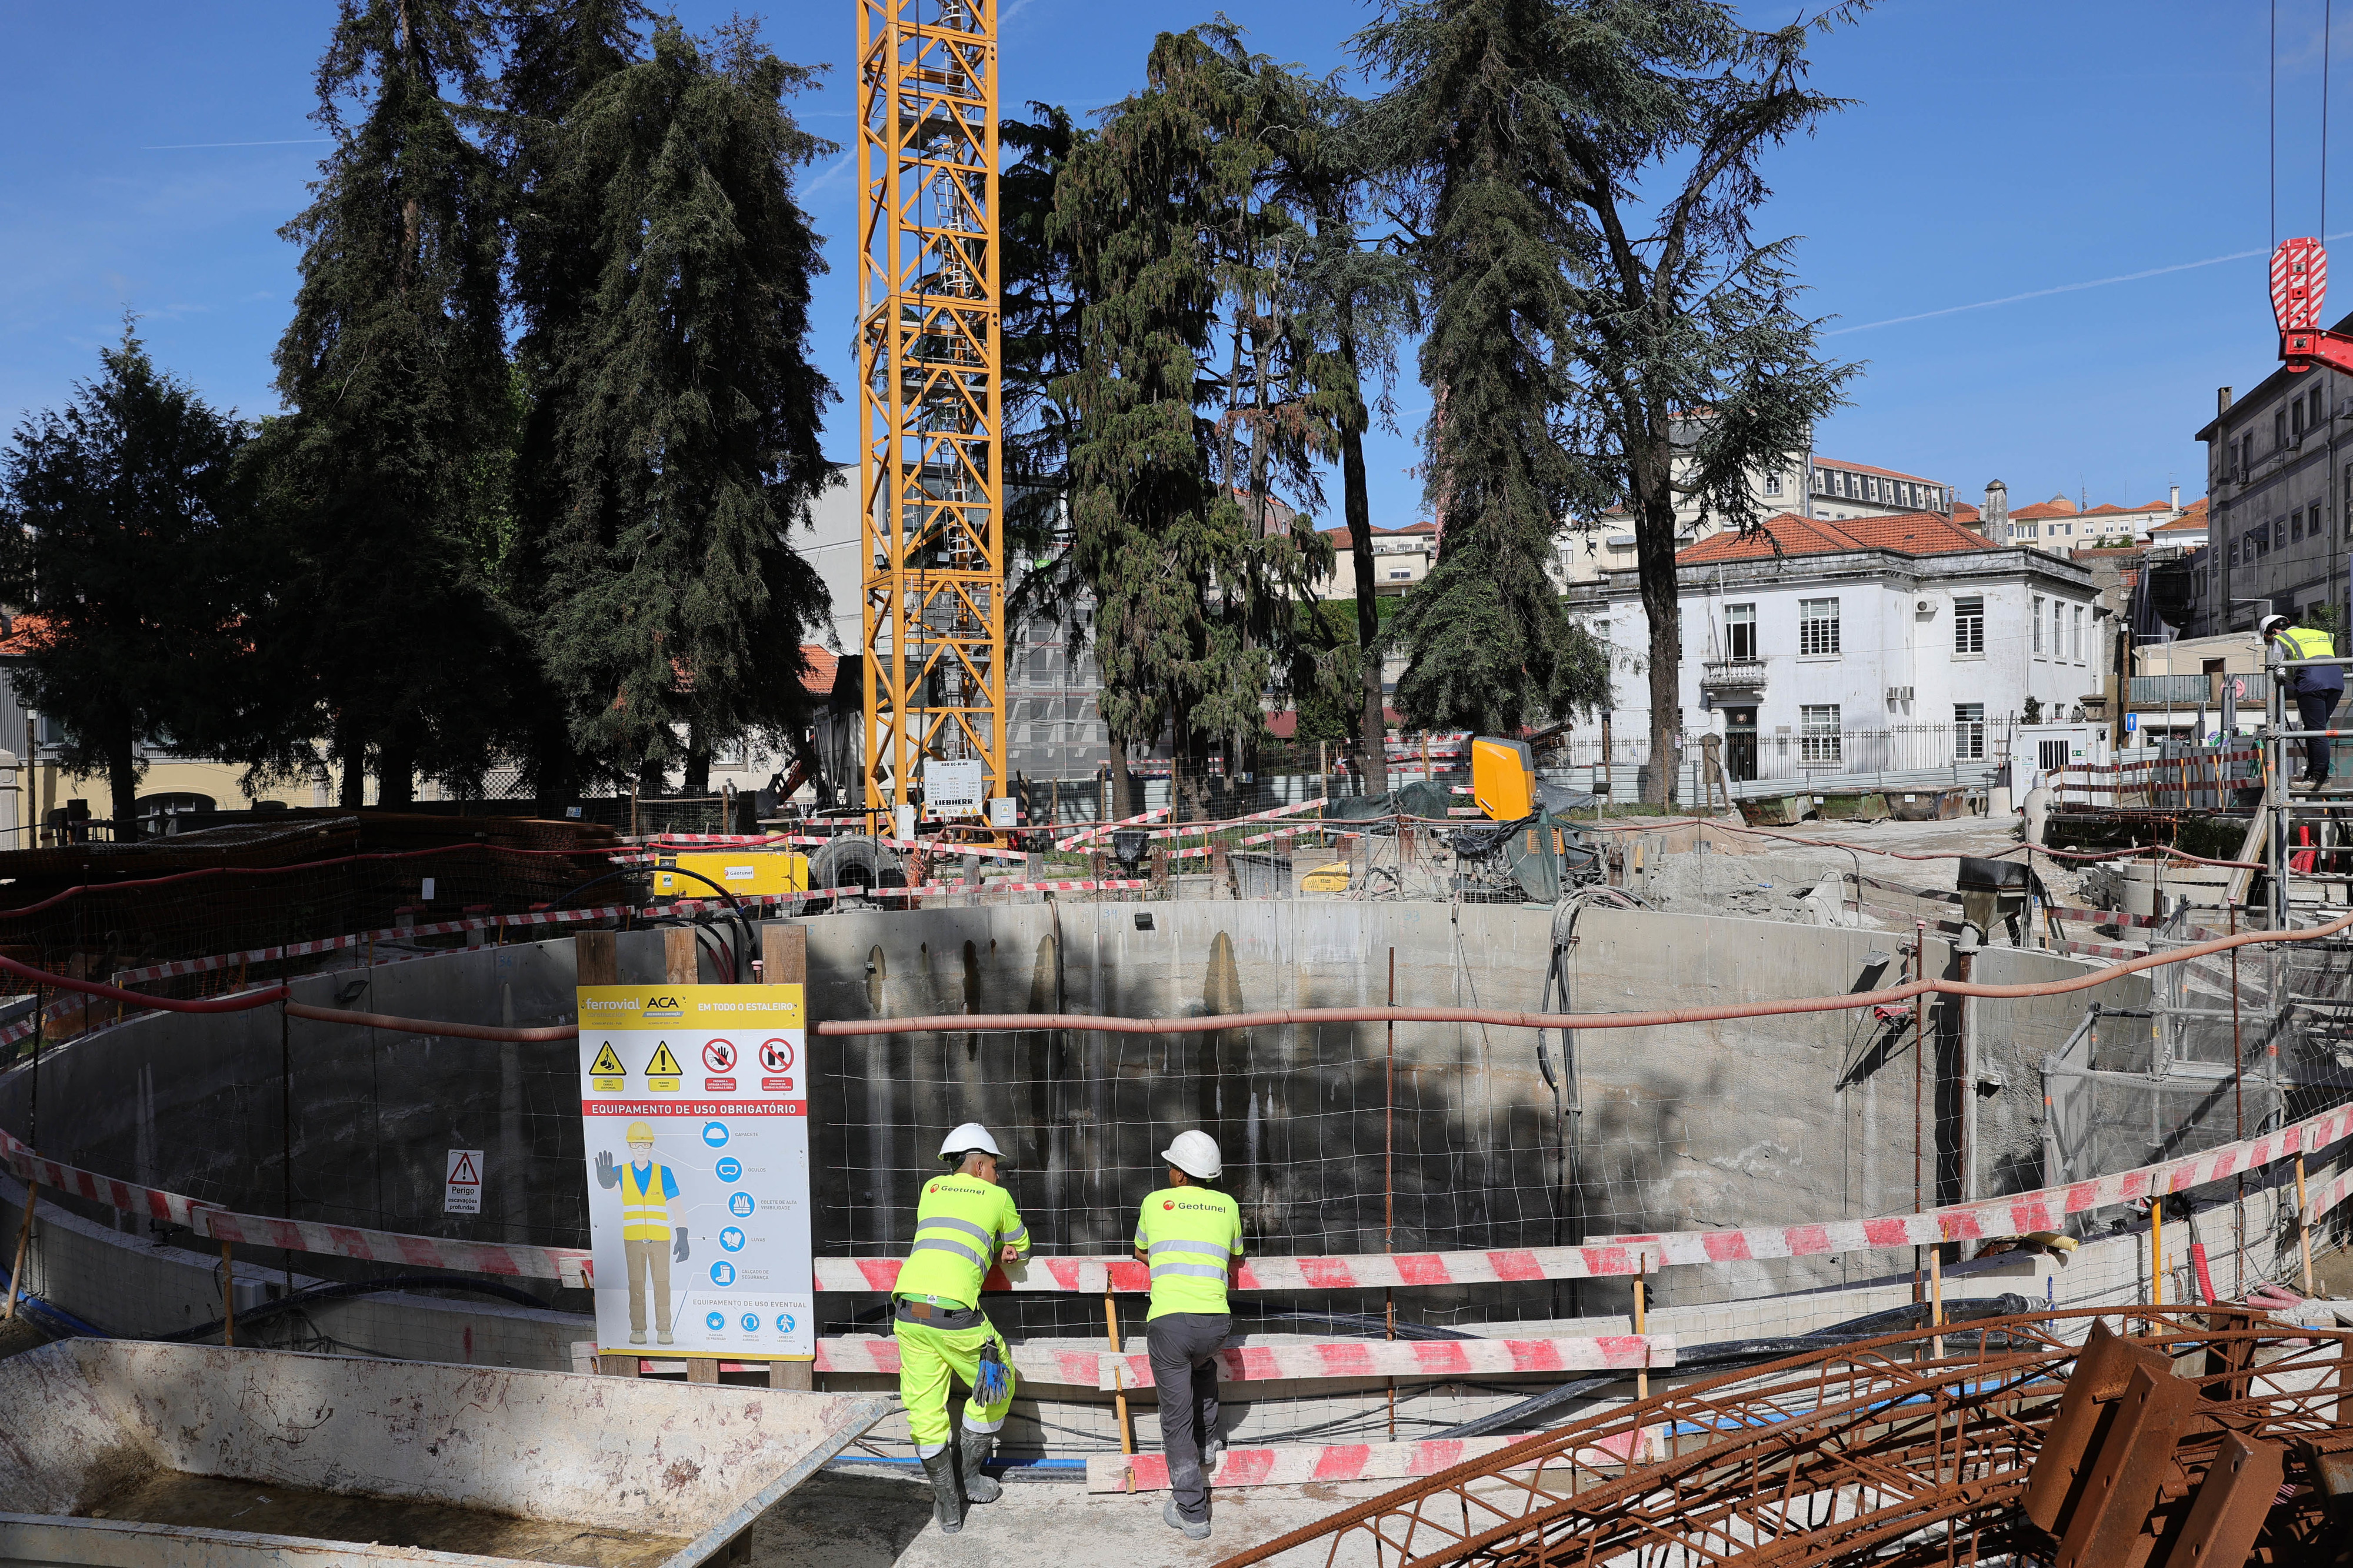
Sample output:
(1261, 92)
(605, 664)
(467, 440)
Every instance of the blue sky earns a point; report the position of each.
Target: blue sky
(150, 150)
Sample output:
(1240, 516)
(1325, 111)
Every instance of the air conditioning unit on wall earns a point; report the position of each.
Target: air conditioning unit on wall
(1926, 607)
(1899, 694)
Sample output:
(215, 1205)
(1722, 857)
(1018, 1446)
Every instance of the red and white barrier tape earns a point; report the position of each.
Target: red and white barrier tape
(1411, 1358)
(771, 840)
(2021, 1214)
(507, 1260)
(123, 1197)
(2319, 1200)
(1095, 829)
(1307, 1463)
(878, 1356)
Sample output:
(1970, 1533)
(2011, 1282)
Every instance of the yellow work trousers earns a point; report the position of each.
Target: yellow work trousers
(649, 1258)
(927, 1356)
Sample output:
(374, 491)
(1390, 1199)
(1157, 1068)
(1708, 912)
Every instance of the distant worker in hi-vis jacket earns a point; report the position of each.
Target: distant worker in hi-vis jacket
(965, 1225)
(648, 1238)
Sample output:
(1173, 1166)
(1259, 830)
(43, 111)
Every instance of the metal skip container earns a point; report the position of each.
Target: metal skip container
(119, 1452)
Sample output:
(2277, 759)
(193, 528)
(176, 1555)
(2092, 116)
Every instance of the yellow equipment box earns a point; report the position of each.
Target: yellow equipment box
(1331, 879)
(1503, 778)
(739, 871)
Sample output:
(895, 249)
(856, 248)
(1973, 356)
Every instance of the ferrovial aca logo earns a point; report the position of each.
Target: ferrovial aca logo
(664, 1007)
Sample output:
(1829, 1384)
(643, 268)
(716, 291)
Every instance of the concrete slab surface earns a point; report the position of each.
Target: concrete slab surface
(850, 1520)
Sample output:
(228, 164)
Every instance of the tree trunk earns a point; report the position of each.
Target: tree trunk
(396, 768)
(123, 782)
(1655, 525)
(351, 764)
(1123, 782)
(698, 764)
(1372, 754)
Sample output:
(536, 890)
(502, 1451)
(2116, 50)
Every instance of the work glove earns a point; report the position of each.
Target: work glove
(607, 1174)
(677, 1253)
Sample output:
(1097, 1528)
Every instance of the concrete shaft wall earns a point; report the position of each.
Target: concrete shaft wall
(1333, 1142)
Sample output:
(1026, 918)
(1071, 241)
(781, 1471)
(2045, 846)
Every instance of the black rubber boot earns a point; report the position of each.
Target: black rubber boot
(947, 1499)
(973, 1451)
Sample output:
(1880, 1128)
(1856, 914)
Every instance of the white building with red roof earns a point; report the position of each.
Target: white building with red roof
(1816, 645)
(1831, 489)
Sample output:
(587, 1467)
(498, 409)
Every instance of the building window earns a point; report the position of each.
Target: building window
(1740, 632)
(1822, 481)
(2279, 428)
(1772, 484)
(1969, 625)
(1818, 628)
(1969, 731)
(2038, 626)
(1818, 739)
(2319, 411)
(2296, 524)
(2076, 637)
(2295, 418)
(2058, 617)
(1405, 575)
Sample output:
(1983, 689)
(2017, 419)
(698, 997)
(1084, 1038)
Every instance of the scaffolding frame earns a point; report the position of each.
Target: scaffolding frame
(931, 398)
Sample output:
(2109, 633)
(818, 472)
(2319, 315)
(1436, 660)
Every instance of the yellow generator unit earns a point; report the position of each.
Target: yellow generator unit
(739, 871)
(1503, 778)
(1328, 879)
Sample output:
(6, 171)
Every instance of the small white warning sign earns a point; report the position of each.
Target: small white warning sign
(461, 1192)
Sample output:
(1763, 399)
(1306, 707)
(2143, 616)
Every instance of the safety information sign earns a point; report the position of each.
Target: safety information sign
(462, 1189)
(698, 1170)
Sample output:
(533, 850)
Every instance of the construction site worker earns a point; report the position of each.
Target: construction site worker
(1192, 1238)
(2317, 688)
(648, 1189)
(964, 1222)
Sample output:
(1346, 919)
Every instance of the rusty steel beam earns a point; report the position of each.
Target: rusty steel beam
(2126, 1470)
(2235, 1500)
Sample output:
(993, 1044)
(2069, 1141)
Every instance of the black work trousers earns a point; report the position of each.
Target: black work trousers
(1184, 1348)
(2312, 712)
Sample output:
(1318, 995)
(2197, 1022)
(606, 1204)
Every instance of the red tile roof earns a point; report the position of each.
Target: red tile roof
(1905, 533)
(2193, 517)
(22, 632)
(1823, 462)
(818, 681)
(2062, 507)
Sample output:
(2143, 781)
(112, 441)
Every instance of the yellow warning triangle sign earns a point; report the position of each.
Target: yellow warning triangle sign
(664, 1065)
(606, 1061)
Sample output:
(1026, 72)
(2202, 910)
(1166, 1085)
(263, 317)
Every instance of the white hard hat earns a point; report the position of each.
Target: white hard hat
(964, 1139)
(1195, 1154)
(2270, 624)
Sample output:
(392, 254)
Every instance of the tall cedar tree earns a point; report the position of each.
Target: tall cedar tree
(1193, 399)
(1358, 300)
(126, 520)
(1580, 321)
(1474, 122)
(686, 447)
(395, 367)
(560, 51)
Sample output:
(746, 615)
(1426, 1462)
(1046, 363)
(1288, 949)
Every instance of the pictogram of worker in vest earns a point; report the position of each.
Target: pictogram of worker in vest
(965, 1225)
(647, 1186)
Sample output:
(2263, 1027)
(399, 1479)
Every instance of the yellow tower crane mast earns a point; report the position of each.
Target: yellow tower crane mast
(931, 404)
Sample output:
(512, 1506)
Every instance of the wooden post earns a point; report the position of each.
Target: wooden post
(228, 1297)
(784, 961)
(2303, 1227)
(1119, 1379)
(1641, 1292)
(596, 961)
(1936, 1301)
(24, 1237)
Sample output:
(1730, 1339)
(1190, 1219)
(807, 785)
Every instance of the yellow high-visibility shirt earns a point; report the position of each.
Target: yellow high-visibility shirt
(645, 1202)
(961, 1224)
(1188, 1234)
